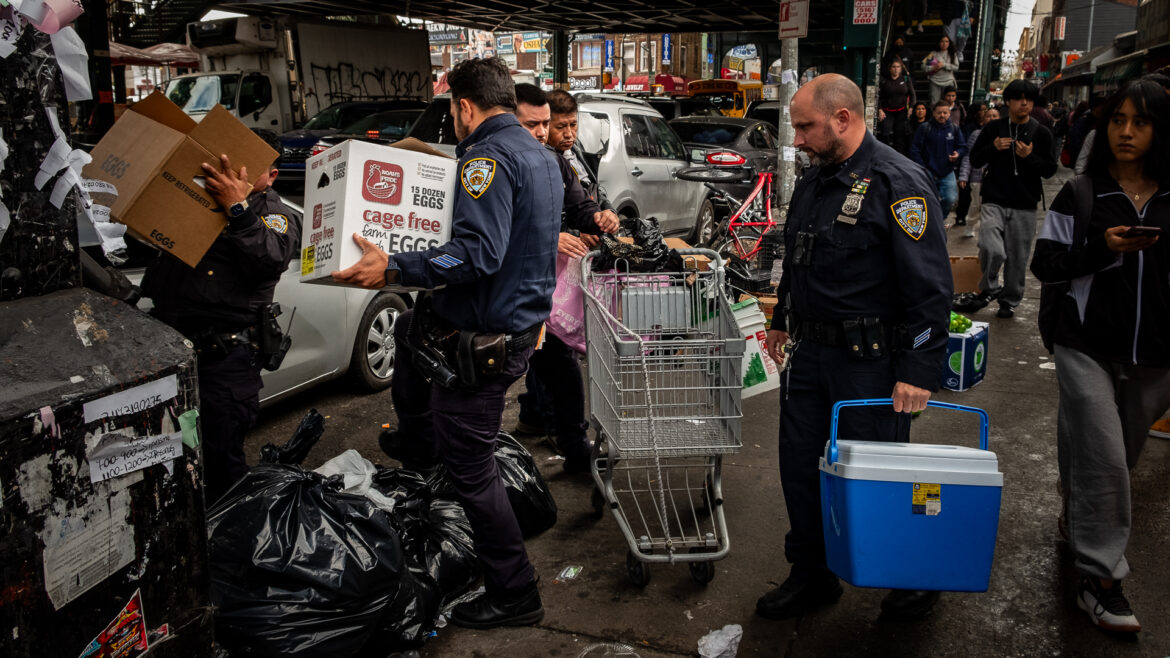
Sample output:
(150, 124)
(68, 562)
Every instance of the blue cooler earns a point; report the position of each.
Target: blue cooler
(910, 516)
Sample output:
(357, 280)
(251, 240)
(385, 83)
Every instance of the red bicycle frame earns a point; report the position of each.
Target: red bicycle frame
(763, 183)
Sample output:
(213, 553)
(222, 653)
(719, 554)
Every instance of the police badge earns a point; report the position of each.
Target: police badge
(852, 204)
(910, 213)
(477, 175)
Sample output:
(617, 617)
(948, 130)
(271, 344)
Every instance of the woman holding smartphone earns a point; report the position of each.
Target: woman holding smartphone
(1109, 334)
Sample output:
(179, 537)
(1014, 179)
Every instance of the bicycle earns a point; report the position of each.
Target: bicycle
(739, 238)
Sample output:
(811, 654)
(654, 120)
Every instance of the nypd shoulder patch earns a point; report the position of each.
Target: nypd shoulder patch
(477, 175)
(910, 213)
(276, 222)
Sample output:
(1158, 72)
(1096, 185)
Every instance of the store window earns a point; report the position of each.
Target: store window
(589, 55)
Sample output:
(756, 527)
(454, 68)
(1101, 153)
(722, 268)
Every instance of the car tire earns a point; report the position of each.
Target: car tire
(704, 225)
(372, 364)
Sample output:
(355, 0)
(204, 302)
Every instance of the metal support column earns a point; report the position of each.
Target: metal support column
(789, 80)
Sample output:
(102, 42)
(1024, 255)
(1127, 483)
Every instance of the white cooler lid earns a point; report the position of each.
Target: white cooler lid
(913, 462)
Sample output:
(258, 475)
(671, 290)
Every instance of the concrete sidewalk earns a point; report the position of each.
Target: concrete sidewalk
(1029, 609)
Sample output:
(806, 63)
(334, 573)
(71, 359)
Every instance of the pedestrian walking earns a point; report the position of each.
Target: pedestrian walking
(1104, 253)
(939, 147)
(895, 98)
(957, 23)
(940, 66)
(868, 285)
(919, 115)
(971, 180)
(913, 15)
(1017, 153)
(495, 279)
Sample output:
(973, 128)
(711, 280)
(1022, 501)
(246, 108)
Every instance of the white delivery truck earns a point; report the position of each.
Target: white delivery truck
(275, 73)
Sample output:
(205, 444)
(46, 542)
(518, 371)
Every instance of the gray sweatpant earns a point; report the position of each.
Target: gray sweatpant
(1005, 241)
(1104, 414)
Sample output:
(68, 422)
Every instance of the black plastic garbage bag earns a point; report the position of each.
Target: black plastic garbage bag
(304, 437)
(436, 535)
(648, 253)
(300, 569)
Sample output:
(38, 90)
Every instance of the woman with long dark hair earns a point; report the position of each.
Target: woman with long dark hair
(940, 66)
(1107, 246)
(895, 98)
(919, 115)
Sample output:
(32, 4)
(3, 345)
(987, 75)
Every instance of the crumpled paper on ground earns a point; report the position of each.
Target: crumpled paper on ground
(723, 643)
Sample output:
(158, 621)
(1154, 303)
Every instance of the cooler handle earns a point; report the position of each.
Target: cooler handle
(983, 422)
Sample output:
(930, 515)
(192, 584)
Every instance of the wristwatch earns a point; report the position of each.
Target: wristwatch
(237, 209)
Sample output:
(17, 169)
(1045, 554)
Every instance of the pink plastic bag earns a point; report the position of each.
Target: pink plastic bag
(567, 319)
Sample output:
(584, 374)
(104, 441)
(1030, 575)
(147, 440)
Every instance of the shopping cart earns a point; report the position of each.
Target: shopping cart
(665, 360)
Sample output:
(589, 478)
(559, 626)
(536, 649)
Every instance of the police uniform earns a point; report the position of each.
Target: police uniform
(217, 305)
(499, 270)
(868, 284)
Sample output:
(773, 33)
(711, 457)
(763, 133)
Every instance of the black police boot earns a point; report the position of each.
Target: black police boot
(806, 589)
(413, 453)
(516, 608)
(908, 604)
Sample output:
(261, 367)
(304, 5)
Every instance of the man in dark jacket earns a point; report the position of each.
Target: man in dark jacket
(938, 145)
(1017, 152)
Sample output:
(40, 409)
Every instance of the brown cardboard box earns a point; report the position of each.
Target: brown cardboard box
(966, 273)
(701, 263)
(154, 154)
(767, 304)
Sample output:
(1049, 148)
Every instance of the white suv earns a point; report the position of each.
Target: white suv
(639, 153)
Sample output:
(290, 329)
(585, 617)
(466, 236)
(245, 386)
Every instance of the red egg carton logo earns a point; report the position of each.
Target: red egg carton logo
(317, 216)
(382, 182)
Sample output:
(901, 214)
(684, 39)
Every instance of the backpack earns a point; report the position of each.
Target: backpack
(1053, 294)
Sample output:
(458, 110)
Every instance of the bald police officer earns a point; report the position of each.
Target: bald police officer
(868, 285)
(499, 272)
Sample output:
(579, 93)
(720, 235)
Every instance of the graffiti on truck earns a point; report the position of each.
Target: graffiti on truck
(345, 81)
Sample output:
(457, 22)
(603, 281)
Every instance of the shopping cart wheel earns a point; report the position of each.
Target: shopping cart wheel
(702, 572)
(598, 502)
(638, 571)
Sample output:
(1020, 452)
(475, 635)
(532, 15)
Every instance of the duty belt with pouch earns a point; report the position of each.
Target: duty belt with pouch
(862, 338)
(484, 355)
(212, 345)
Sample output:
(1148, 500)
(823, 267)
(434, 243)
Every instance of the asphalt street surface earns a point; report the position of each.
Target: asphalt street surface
(1029, 610)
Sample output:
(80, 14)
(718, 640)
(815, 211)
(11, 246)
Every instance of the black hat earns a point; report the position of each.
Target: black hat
(1021, 89)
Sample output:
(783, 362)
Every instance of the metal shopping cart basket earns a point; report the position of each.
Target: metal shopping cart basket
(665, 360)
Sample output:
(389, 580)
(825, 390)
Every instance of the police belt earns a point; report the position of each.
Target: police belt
(206, 341)
(522, 340)
(831, 334)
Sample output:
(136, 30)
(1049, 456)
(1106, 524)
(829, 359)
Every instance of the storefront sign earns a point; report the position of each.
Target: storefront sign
(585, 82)
(505, 45)
(666, 49)
(608, 55)
(531, 42)
(865, 12)
(443, 37)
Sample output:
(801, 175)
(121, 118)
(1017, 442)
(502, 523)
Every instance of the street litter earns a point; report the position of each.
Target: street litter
(723, 643)
(568, 573)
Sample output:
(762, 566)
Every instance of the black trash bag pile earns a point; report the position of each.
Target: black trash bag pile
(648, 253)
(299, 568)
(304, 437)
(435, 532)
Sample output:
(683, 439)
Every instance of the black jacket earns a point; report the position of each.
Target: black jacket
(1011, 181)
(235, 278)
(895, 94)
(1118, 306)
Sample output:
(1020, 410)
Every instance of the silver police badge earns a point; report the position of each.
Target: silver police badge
(852, 204)
(910, 213)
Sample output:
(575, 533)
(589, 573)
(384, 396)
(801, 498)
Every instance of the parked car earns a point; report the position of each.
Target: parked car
(673, 107)
(336, 331)
(636, 152)
(749, 143)
(381, 128)
(764, 110)
(298, 144)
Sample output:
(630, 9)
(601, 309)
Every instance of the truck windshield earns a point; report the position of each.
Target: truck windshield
(200, 93)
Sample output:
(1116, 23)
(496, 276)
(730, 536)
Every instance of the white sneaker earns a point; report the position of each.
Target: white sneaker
(1108, 608)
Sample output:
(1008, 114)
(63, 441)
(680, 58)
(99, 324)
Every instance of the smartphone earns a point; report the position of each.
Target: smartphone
(1142, 232)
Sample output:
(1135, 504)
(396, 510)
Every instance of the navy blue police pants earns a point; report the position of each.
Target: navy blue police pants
(462, 424)
(818, 377)
(229, 403)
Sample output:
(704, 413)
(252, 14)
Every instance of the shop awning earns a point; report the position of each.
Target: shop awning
(1121, 68)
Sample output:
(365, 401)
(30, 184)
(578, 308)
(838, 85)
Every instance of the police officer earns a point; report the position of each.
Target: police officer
(219, 305)
(555, 392)
(498, 271)
(867, 285)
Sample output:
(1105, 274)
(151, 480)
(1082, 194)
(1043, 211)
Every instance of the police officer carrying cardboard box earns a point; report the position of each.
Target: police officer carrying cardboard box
(460, 349)
(867, 285)
(224, 306)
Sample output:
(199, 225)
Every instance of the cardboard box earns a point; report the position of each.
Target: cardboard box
(154, 154)
(966, 273)
(399, 197)
(966, 358)
(767, 305)
(701, 263)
